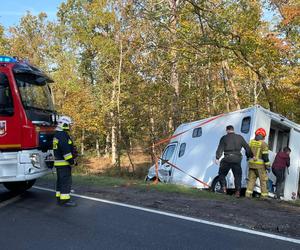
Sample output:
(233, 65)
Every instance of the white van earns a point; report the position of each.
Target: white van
(194, 149)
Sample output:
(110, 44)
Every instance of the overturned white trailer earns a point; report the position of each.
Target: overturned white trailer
(193, 150)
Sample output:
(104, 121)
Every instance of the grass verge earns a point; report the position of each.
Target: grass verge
(114, 182)
(102, 181)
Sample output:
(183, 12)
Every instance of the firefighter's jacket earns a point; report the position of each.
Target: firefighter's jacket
(63, 148)
(260, 152)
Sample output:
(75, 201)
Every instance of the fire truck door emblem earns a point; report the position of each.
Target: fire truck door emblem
(2, 128)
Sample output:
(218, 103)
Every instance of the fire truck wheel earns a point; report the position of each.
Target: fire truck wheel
(19, 186)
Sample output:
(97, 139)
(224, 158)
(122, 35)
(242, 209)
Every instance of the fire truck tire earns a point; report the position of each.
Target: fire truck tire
(19, 186)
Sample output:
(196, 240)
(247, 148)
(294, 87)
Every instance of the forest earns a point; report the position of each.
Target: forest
(129, 72)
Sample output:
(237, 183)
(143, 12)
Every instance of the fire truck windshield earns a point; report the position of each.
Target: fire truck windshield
(35, 93)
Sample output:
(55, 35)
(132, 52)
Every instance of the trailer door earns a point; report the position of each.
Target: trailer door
(292, 174)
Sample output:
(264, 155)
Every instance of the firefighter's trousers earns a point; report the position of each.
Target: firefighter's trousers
(64, 182)
(253, 174)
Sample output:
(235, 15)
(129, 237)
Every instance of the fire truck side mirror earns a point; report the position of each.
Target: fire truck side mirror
(54, 118)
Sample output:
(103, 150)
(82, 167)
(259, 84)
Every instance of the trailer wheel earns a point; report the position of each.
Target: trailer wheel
(147, 179)
(216, 185)
(19, 186)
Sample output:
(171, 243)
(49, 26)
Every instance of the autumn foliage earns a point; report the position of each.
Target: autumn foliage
(129, 72)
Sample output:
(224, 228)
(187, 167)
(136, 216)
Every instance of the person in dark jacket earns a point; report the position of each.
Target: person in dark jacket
(64, 160)
(281, 162)
(231, 145)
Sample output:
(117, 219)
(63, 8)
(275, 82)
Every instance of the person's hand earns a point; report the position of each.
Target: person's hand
(217, 161)
(71, 161)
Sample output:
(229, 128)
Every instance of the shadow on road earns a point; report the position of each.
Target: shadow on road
(7, 195)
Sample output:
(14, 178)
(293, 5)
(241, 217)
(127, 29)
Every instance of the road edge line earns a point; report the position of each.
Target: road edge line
(183, 217)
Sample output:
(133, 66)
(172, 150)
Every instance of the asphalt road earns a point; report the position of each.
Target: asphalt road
(33, 221)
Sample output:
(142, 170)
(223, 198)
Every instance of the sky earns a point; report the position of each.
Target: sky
(12, 10)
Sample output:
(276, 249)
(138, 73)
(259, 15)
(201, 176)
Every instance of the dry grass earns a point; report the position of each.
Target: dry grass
(102, 165)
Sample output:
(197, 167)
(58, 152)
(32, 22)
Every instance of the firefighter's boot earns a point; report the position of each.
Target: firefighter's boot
(57, 197)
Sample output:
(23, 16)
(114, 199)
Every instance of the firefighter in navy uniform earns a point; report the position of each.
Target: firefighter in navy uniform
(64, 159)
(231, 145)
(259, 164)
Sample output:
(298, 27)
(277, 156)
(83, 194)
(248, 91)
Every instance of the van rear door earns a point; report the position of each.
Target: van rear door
(292, 174)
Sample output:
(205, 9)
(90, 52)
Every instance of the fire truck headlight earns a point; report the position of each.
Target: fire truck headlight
(35, 160)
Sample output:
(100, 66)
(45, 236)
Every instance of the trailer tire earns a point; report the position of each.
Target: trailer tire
(216, 185)
(147, 179)
(19, 186)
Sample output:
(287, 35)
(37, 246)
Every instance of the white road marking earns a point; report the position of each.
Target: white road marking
(240, 229)
(9, 201)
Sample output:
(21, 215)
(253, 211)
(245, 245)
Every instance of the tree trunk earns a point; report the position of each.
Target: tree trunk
(228, 77)
(107, 145)
(82, 141)
(211, 109)
(152, 131)
(114, 135)
(174, 79)
(226, 90)
(261, 78)
(113, 140)
(119, 136)
(267, 93)
(97, 148)
(130, 160)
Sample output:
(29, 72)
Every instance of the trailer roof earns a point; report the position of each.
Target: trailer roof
(277, 116)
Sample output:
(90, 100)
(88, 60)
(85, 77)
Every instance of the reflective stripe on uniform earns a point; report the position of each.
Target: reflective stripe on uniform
(58, 163)
(256, 145)
(259, 162)
(248, 193)
(70, 141)
(55, 143)
(68, 156)
(257, 153)
(57, 194)
(65, 196)
(264, 194)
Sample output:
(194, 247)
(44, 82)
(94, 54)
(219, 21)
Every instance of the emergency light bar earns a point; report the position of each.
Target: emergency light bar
(7, 59)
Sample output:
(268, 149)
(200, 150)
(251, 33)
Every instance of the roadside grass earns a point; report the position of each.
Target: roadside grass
(108, 181)
(295, 203)
(93, 180)
(89, 180)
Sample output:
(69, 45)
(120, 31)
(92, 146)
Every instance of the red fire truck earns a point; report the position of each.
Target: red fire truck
(27, 123)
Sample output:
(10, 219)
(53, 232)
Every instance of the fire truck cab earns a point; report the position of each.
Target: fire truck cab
(27, 124)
